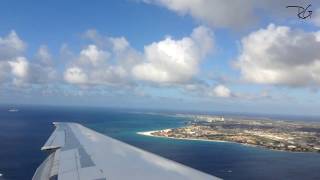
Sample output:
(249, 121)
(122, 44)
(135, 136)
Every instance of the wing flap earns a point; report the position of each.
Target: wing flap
(56, 140)
(79, 153)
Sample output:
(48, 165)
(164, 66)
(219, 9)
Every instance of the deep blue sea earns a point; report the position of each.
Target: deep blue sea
(23, 133)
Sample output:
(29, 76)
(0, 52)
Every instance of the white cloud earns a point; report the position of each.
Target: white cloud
(17, 69)
(93, 55)
(20, 70)
(112, 61)
(44, 55)
(279, 55)
(11, 46)
(101, 66)
(233, 13)
(221, 91)
(25, 73)
(110, 75)
(41, 74)
(12, 64)
(75, 75)
(119, 44)
(175, 61)
(20, 67)
(213, 12)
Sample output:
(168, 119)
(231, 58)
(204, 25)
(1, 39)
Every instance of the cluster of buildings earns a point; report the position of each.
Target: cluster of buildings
(273, 135)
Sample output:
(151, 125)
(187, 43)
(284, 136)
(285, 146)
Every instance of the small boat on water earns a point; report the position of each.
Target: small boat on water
(13, 110)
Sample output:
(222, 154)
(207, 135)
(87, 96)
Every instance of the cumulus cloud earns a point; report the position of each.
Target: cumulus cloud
(279, 55)
(93, 55)
(23, 72)
(213, 12)
(75, 75)
(17, 69)
(231, 13)
(44, 56)
(221, 91)
(213, 91)
(115, 44)
(11, 46)
(119, 44)
(11, 63)
(40, 74)
(112, 61)
(175, 61)
(107, 62)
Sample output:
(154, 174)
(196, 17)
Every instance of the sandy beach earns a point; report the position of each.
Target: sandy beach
(149, 133)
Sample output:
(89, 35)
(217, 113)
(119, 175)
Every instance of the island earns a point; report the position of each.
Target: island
(272, 134)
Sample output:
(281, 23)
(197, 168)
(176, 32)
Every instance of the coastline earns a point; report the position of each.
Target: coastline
(149, 133)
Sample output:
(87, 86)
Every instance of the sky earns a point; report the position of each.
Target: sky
(201, 55)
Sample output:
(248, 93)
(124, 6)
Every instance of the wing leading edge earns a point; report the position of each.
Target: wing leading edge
(79, 153)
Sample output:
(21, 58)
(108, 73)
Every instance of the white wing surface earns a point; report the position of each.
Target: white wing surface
(79, 153)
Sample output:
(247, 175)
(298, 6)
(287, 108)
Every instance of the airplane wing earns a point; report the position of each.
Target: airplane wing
(79, 153)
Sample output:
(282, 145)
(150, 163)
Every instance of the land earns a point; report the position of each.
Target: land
(272, 134)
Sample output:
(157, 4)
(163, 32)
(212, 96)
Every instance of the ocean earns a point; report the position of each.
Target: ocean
(23, 133)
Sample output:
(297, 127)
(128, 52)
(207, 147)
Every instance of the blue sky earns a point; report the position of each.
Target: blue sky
(208, 55)
(56, 22)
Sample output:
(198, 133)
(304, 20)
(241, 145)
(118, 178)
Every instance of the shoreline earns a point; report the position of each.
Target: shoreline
(148, 133)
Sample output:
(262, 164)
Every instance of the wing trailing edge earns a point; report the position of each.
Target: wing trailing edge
(79, 153)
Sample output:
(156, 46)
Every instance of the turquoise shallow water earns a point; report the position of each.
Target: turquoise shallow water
(23, 133)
